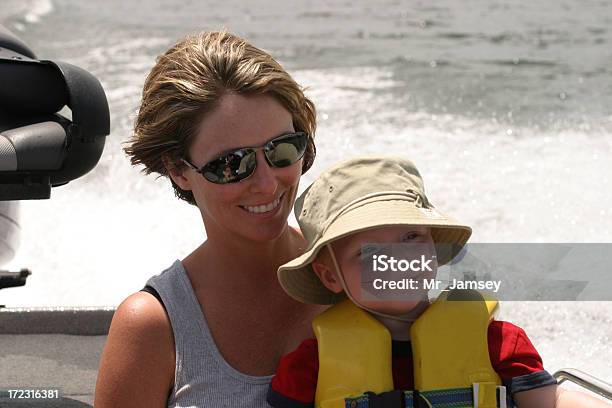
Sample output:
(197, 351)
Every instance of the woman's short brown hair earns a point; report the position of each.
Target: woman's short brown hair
(188, 81)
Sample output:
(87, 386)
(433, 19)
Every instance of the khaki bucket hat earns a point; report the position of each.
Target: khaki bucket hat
(356, 195)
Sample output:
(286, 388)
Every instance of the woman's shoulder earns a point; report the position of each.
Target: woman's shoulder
(139, 354)
(142, 321)
(144, 313)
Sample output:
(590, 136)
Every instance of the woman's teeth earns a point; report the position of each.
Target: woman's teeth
(263, 208)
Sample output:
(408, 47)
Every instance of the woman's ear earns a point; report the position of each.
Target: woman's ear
(327, 276)
(176, 173)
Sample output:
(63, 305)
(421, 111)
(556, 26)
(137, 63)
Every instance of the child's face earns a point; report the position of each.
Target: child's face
(348, 255)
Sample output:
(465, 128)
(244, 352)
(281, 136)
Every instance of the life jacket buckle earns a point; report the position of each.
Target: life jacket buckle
(389, 399)
(489, 395)
(501, 394)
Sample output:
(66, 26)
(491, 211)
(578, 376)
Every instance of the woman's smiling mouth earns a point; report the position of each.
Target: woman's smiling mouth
(264, 208)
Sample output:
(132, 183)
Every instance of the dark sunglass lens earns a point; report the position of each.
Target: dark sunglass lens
(286, 150)
(231, 168)
(213, 171)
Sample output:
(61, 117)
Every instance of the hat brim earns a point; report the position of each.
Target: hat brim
(299, 280)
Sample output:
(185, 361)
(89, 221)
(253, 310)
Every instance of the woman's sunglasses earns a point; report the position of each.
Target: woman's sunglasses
(232, 167)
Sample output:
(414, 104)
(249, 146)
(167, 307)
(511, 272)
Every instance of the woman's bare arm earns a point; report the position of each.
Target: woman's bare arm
(137, 365)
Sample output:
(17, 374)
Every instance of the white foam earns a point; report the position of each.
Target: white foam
(38, 10)
(526, 185)
(126, 48)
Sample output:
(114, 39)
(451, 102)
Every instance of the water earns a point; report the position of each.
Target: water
(505, 109)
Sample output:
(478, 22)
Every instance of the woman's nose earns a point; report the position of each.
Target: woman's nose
(264, 180)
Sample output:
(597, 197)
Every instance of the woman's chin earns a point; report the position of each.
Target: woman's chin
(268, 232)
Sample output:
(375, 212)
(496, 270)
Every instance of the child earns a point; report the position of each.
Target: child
(365, 348)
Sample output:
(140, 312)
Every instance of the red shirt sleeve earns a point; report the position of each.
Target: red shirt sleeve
(297, 373)
(511, 351)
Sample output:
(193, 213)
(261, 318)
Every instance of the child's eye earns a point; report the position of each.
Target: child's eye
(368, 250)
(410, 236)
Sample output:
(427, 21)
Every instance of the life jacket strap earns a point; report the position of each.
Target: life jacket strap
(389, 399)
(449, 398)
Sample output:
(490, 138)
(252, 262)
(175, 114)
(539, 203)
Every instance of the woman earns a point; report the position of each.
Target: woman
(211, 328)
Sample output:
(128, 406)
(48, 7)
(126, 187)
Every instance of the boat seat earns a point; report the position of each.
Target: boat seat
(40, 147)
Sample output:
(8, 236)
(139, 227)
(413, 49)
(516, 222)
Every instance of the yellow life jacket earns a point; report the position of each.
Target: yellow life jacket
(449, 345)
